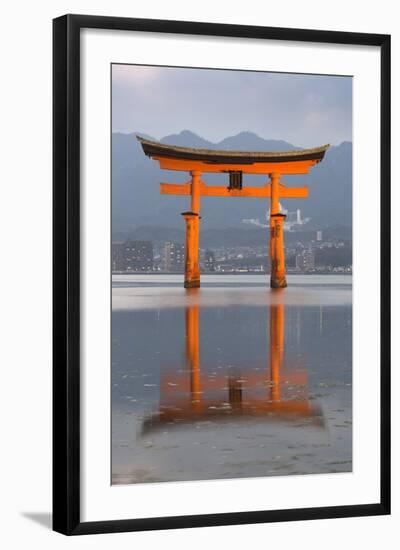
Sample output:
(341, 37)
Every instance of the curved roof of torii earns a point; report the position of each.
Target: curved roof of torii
(214, 156)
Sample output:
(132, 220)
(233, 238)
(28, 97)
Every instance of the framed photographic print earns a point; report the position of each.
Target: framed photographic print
(221, 274)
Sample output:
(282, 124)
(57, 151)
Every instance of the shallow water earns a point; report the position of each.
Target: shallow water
(231, 380)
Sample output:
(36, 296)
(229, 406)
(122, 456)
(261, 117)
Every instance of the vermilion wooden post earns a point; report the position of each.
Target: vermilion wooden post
(276, 248)
(195, 191)
(192, 218)
(192, 270)
(278, 275)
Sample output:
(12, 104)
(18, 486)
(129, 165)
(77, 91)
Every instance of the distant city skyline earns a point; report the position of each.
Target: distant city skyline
(312, 255)
(305, 110)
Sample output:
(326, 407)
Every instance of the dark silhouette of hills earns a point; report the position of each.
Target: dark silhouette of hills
(137, 203)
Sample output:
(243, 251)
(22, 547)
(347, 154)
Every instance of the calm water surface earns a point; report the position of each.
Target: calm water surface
(230, 380)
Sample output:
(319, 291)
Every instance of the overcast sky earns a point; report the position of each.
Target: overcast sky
(305, 110)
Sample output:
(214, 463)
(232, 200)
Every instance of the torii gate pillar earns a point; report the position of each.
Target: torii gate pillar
(192, 218)
(192, 269)
(276, 247)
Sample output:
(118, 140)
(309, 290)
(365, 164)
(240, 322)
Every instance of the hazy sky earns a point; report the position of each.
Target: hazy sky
(305, 110)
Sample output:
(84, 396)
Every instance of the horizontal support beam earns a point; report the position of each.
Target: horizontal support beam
(294, 167)
(220, 191)
(292, 192)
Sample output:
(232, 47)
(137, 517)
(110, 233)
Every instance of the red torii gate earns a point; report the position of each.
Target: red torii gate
(235, 163)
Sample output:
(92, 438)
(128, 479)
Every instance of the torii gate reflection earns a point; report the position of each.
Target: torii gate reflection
(276, 393)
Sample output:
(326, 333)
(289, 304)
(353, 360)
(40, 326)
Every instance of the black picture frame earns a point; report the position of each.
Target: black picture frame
(66, 273)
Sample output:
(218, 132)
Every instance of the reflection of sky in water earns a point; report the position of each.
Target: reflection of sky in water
(232, 380)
